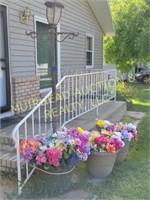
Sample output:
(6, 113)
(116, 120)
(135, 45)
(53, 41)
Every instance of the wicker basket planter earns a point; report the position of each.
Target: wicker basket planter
(58, 182)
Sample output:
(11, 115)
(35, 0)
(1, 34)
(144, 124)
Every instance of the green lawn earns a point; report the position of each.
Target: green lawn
(129, 180)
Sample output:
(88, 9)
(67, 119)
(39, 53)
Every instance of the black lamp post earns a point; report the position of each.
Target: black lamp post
(53, 14)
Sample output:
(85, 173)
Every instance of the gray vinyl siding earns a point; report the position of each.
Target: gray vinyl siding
(77, 17)
(22, 47)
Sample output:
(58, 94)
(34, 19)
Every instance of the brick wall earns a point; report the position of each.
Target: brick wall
(25, 91)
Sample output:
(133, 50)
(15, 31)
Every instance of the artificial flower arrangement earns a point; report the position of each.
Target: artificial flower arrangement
(126, 132)
(105, 141)
(64, 148)
(67, 147)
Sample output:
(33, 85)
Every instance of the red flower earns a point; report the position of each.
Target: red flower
(53, 156)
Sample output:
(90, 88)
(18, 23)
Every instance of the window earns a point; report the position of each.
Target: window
(43, 54)
(89, 50)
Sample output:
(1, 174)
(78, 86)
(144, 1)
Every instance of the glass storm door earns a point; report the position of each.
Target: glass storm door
(4, 62)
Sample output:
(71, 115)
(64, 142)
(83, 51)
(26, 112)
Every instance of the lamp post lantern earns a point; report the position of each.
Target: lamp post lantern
(53, 14)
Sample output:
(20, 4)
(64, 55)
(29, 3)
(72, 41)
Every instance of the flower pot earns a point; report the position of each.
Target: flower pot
(58, 182)
(123, 153)
(100, 164)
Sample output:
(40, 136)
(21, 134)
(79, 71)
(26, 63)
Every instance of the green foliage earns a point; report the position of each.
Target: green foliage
(127, 120)
(130, 45)
(124, 91)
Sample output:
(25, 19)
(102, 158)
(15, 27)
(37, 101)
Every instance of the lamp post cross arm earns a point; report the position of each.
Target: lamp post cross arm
(66, 35)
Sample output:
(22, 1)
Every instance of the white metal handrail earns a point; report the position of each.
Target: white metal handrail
(76, 95)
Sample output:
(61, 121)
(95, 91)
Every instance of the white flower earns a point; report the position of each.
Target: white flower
(130, 125)
(51, 145)
(107, 123)
(94, 147)
(71, 142)
(117, 135)
(122, 143)
(43, 148)
(54, 135)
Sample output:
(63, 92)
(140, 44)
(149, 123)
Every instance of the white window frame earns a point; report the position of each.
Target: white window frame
(91, 36)
(44, 20)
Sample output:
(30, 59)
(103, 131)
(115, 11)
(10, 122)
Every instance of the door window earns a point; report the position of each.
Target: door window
(43, 54)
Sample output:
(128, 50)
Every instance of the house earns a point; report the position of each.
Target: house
(24, 62)
(25, 72)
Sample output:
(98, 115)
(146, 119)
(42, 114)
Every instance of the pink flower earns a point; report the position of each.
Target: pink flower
(117, 143)
(101, 140)
(135, 135)
(40, 159)
(53, 156)
(78, 141)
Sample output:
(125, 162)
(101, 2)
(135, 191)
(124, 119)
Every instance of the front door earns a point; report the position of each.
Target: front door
(4, 62)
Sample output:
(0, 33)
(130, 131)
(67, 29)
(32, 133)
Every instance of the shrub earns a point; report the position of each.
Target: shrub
(124, 91)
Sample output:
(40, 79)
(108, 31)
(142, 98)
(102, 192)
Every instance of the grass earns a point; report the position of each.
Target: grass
(129, 180)
(127, 119)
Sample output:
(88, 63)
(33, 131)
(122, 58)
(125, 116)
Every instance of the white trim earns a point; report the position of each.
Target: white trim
(102, 12)
(46, 90)
(91, 36)
(44, 20)
(9, 53)
(58, 55)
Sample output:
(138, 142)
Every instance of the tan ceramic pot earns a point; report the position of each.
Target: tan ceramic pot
(100, 164)
(121, 156)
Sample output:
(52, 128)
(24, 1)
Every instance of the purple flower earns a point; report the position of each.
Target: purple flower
(41, 139)
(82, 148)
(74, 159)
(28, 154)
(110, 128)
(83, 138)
(85, 156)
(73, 132)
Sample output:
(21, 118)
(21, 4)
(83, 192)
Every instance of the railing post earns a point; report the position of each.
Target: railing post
(54, 76)
(18, 164)
(115, 84)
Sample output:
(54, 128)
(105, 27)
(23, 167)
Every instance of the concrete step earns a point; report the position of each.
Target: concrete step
(119, 111)
(112, 111)
(8, 160)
